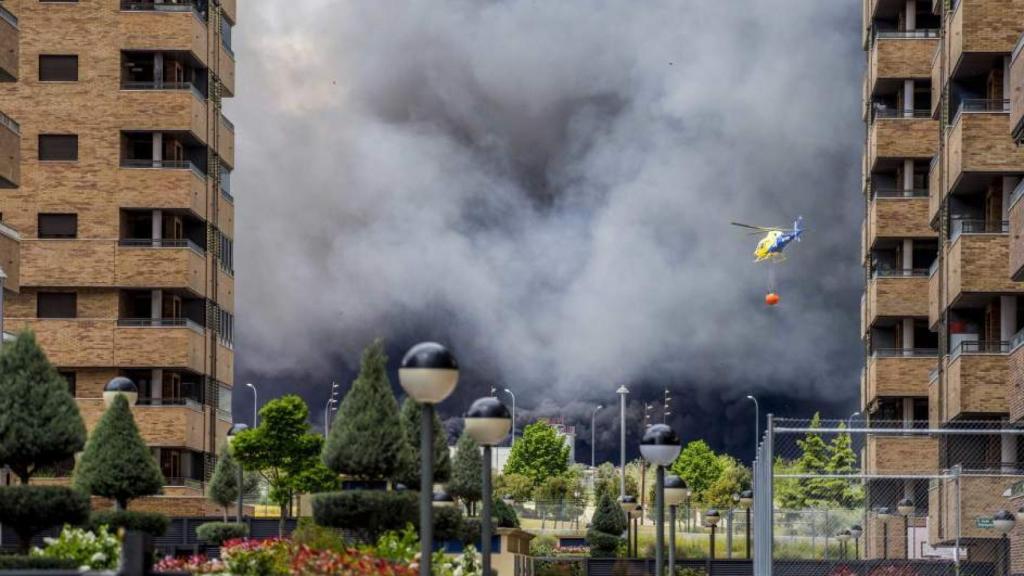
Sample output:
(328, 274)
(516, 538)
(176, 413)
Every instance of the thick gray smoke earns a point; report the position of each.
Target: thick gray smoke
(549, 186)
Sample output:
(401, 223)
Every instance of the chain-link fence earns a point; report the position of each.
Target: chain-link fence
(874, 497)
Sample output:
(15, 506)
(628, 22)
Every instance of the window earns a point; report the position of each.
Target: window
(225, 326)
(57, 305)
(58, 68)
(72, 380)
(225, 253)
(58, 147)
(58, 225)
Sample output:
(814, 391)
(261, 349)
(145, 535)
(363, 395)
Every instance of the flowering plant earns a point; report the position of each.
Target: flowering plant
(92, 551)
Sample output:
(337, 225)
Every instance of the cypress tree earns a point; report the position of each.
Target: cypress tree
(367, 440)
(606, 528)
(842, 460)
(467, 472)
(223, 487)
(411, 426)
(813, 460)
(39, 420)
(116, 463)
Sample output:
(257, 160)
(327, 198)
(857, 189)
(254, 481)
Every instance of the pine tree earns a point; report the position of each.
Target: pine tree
(813, 460)
(442, 461)
(367, 440)
(39, 420)
(606, 528)
(842, 460)
(467, 472)
(116, 463)
(223, 487)
(539, 454)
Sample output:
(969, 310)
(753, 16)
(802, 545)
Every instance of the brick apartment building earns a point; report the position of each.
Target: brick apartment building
(944, 262)
(115, 175)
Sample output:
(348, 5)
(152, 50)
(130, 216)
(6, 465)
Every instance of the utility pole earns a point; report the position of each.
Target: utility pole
(622, 392)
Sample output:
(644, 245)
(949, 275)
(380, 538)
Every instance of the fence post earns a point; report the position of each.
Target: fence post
(956, 550)
(136, 554)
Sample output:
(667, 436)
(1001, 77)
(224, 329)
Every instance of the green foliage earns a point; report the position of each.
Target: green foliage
(445, 565)
(842, 460)
(607, 482)
(28, 510)
(519, 487)
(813, 460)
(447, 523)
(734, 478)
(256, 559)
(152, 523)
(699, 466)
(223, 487)
(39, 420)
(470, 531)
(399, 546)
(467, 472)
(368, 441)
(819, 457)
(116, 463)
(99, 550)
(506, 515)
(26, 563)
(606, 528)
(309, 533)
(367, 513)
(219, 532)
(543, 545)
(539, 454)
(411, 426)
(282, 449)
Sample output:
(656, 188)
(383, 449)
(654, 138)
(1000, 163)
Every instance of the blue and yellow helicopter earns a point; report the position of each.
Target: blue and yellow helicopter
(775, 240)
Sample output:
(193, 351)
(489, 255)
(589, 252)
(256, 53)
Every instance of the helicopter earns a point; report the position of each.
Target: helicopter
(775, 240)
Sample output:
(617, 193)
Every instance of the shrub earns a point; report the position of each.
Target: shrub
(447, 523)
(367, 513)
(543, 545)
(309, 533)
(505, 514)
(152, 523)
(471, 531)
(31, 509)
(400, 547)
(608, 524)
(11, 562)
(220, 532)
(99, 550)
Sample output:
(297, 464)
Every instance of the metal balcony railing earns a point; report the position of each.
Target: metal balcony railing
(905, 353)
(159, 323)
(900, 273)
(958, 226)
(933, 268)
(933, 375)
(8, 17)
(920, 33)
(140, 163)
(896, 425)
(188, 402)
(9, 123)
(183, 482)
(1017, 341)
(989, 467)
(974, 105)
(228, 123)
(982, 347)
(162, 243)
(161, 85)
(166, 6)
(900, 193)
(1019, 190)
(886, 112)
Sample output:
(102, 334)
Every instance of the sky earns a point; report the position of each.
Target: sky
(546, 188)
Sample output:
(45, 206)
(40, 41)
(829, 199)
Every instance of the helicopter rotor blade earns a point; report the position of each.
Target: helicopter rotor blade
(761, 228)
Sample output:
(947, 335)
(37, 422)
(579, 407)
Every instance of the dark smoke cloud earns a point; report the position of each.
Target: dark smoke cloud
(547, 187)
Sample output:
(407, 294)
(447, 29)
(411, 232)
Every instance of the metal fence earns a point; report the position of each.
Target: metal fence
(875, 497)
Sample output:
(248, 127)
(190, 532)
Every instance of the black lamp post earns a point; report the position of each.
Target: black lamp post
(856, 531)
(636, 514)
(884, 513)
(628, 504)
(660, 446)
(712, 517)
(746, 501)
(675, 494)
(232, 432)
(1004, 521)
(906, 509)
(844, 537)
(488, 422)
(428, 374)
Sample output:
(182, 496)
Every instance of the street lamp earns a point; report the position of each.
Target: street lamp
(712, 517)
(757, 421)
(487, 422)
(442, 499)
(123, 386)
(675, 494)
(906, 508)
(622, 392)
(513, 442)
(232, 433)
(856, 531)
(1004, 521)
(746, 501)
(593, 415)
(428, 374)
(636, 514)
(884, 514)
(3, 277)
(660, 446)
(628, 504)
(255, 405)
(844, 537)
(327, 409)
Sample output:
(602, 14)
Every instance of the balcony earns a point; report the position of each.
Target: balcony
(230, 9)
(885, 454)
(147, 26)
(1017, 93)
(9, 51)
(10, 152)
(977, 261)
(898, 214)
(1016, 384)
(144, 263)
(226, 144)
(897, 135)
(162, 185)
(162, 422)
(1017, 234)
(976, 380)
(898, 56)
(897, 294)
(225, 290)
(10, 258)
(979, 497)
(977, 30)
(182, 108)
(45, 263)
(225, 363)
(898, 373)
(979, 146)
(226, 70)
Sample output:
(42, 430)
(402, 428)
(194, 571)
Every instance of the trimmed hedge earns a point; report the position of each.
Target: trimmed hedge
(470, 532)
(506, 515)
(367, 513)
(152, 523)
(12, 562)
(29, 510)
(220, 532)
(447, 523)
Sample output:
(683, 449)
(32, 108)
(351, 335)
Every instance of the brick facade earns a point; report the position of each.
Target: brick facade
(901, 138)
(901, 58)
(897, 377)
(898, 218)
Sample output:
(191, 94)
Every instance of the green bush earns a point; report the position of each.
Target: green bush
(471, 532)
(28, 510)
(309, 533)
(220, 532)
(98, 550)
(152, 523)
(367, 513)
(11, 562)
(447, 523)
(608, 524)
(689, 572)
(506, 515)
(543, 545)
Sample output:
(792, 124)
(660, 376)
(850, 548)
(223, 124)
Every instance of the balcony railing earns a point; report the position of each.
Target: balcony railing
(900, 193)
(886, 112)
(982, 347)
(140, 163)
(159, 323)
(984, 105)
(183, 482)
(161, 85)
(958, 226)
(905, 353)
(897, 425)
(933, 268)
(168, 6)
(9, 123)
(189, 402)
(1017, 341)
(933, 375)
(162, 243)
(900, 273)
(920, 33)
(228, 123)
(6, 15)
(988, 468)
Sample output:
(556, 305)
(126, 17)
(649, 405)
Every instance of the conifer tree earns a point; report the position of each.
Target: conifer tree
(467, 472)
(813, 460)
(223, 487)
(606, 528)
(842, 460)
(411, 426)
(116, 463)
(367, 440)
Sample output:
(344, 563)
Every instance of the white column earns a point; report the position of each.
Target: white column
(1009, 184)
(158, 149)
(908, 100)
(908, 412)
(158, 226)
(911, 15)
(1008, 452)
(158, 68)
(908, 176)
(908, 336)
(156, 386)
(156, 304)
(1007, 317)
(908, 255)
